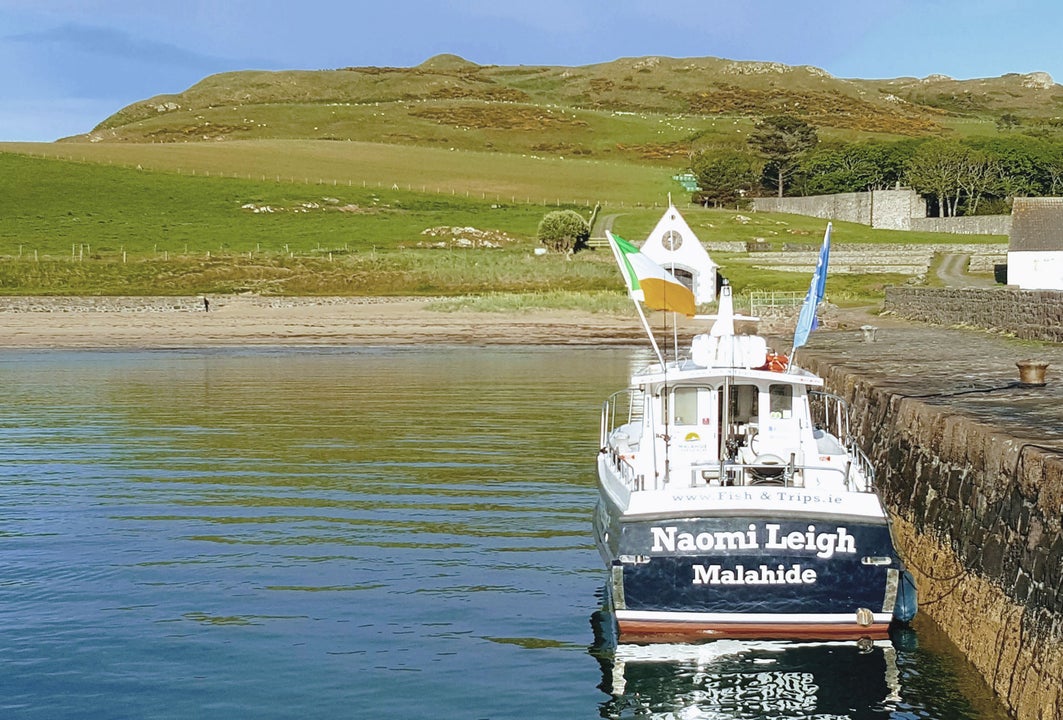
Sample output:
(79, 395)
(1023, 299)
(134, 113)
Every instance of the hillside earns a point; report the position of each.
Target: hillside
(643, 109)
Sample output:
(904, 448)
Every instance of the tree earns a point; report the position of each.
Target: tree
(840, 169)
(1053, 164)
(854, 167)
(1025, 162)
(724, 176)
(979, 176)
(935, 169)
(564, 231)
(781, 140)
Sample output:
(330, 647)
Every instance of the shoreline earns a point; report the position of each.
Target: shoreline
(42, 323)
(231, 321)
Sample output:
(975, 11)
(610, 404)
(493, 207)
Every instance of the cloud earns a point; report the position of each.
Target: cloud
(103, 41)
(88, 61)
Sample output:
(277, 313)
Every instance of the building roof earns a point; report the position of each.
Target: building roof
(1036, 224)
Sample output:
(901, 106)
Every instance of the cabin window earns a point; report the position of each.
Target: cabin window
(686, 406)
(691, 406)
(781, 401)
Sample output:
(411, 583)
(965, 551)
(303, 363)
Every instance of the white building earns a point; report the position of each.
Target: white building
(673, 245)
(1035, 247)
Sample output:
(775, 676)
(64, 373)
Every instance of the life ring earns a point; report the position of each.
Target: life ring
(774, 362)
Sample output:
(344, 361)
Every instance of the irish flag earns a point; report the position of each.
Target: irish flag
(649, 282)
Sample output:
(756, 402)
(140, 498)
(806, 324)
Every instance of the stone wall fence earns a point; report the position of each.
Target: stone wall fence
(1026, 314)
(901, 209)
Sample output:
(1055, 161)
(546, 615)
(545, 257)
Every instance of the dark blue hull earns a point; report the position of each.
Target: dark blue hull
(811, 577)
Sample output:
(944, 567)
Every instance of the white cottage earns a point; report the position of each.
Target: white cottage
(673, 245)
(1035, 247)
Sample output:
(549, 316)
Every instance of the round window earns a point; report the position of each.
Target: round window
(672, 240)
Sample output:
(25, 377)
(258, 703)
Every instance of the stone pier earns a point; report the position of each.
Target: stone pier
(970, 462)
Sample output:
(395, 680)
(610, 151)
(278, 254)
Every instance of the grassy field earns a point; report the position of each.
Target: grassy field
(332, 166)
(76, 227)
(345, 181)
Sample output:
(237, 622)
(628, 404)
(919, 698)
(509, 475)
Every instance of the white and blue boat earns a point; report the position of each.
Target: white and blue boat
(734, 501)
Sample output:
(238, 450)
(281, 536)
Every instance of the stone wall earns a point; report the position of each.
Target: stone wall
(861, 258)
(894, 209)
(886, 210)
(849, 207)
(964, 225)
(977, 517)
(1027, 314)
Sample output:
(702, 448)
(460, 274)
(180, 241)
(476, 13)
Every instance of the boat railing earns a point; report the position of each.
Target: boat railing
(754, 474)
(621, 408)
(830, 413)
(862, 477)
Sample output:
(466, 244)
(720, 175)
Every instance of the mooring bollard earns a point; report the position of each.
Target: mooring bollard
(1032, 373)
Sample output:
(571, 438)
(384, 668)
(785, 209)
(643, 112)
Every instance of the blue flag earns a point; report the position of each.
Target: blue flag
(807, 321)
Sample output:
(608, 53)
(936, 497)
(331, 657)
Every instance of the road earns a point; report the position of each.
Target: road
(953, 272)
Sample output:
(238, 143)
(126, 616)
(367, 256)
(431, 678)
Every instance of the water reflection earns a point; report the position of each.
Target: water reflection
(748, 679)
(757, 680)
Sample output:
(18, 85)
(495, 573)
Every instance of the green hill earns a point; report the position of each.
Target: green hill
(641, 109)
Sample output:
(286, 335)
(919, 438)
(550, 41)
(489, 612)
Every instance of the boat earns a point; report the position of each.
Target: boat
(734, 501)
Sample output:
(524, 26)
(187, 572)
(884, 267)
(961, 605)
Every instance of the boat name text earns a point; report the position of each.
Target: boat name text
(825, 544)
(762, 575)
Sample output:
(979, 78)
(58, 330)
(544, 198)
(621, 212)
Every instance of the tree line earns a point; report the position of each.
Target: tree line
(970, 176)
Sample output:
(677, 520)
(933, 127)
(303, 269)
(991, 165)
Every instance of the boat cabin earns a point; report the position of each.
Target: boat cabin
(693, 423)
(733, 413)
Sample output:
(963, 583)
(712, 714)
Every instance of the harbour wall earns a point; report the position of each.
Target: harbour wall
(977, 511)
(1027, 314)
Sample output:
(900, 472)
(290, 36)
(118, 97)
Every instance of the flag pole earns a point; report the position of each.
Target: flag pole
(649, 332)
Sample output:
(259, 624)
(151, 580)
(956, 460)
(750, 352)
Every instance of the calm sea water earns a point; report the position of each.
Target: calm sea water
(400, 533)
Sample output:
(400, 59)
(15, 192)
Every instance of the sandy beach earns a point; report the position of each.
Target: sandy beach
(42, 323)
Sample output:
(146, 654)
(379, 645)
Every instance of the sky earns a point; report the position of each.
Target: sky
(66, 65)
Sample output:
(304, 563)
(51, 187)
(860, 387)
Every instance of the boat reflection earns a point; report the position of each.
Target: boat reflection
(746, 679)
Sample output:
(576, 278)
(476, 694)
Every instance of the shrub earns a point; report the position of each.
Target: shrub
(564, 231)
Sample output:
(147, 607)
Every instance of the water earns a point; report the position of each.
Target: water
(350, 534)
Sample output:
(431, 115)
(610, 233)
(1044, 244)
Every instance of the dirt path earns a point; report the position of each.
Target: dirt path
(953, 272)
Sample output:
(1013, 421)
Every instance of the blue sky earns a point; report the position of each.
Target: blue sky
(65, 65)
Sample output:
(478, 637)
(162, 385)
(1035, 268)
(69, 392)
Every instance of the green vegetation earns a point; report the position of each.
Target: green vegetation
(564, 231)
(467, 175)
(434, 180)
(633, 109)
(782, 140)
(75, 228)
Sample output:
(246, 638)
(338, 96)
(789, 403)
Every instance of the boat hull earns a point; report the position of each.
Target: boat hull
(749, 576)
(652, 627)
